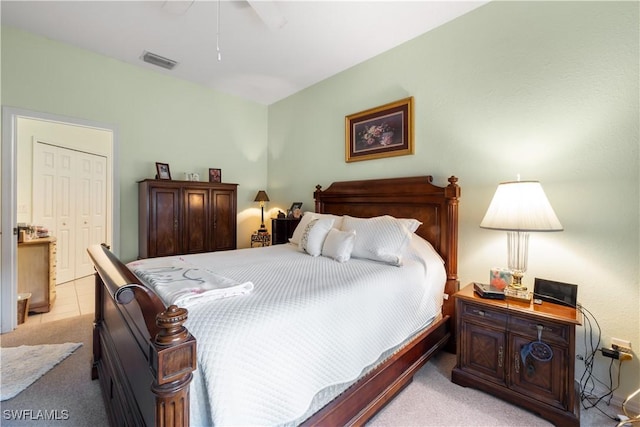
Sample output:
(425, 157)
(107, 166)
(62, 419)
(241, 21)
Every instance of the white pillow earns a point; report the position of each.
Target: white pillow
(314, 235)
(337, 219)
(306, 218)
(381, 238)
(411, 224)
(339, 244)
(304, 221)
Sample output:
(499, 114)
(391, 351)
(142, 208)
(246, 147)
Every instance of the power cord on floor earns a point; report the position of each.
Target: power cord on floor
(588, 380)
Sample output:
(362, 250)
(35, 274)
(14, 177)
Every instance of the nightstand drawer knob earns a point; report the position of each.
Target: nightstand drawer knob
(481, 313)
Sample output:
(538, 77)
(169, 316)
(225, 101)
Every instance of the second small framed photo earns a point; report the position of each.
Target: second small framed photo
(163, 171)
(296, 210)
(215, 175)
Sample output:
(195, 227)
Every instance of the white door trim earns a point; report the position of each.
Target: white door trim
(8, 241)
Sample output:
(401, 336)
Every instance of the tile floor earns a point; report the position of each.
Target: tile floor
(73, 298)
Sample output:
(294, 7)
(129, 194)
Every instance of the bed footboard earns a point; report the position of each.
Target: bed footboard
(142, 354)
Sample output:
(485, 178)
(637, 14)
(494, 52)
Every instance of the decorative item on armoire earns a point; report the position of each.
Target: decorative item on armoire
(162, 171)
(215, 175)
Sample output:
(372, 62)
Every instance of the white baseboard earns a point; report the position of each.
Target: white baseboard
(633, 407)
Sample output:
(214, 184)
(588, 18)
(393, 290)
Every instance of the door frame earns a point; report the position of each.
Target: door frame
(8, 241)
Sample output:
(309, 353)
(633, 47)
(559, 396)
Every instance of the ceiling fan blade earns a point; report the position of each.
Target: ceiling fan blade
(269, 12)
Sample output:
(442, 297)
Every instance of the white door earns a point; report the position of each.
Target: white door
(91, 204)
(64, 201)
(69, 198)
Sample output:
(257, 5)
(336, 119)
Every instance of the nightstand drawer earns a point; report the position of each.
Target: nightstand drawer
(529, 327)
(484, 315)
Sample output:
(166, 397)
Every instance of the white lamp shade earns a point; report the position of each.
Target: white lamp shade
(520, 206)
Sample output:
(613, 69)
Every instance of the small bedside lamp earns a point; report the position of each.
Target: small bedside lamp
(262, 198)
(520, 207)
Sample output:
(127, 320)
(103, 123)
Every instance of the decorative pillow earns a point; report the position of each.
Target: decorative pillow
(314, 235)
(339, 244)
(306, 218)
(381, 238)
(304, 221)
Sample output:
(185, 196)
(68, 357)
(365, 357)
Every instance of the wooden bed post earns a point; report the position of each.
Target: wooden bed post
(173, 359)
(452, 194)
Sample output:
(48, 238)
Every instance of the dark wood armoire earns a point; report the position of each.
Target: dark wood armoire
(185, 217)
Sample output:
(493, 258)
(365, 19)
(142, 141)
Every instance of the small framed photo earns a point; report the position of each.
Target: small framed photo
(215, 175)
(379, 132)
(295, 211)
(163, 171)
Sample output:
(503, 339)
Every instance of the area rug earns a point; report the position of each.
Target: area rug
(22, 366)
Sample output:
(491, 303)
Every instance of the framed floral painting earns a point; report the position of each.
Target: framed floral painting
(379, 132)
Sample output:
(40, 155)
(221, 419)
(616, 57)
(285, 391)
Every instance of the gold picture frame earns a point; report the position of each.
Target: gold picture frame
(384, 131)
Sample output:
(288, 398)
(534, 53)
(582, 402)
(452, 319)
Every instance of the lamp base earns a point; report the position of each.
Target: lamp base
(262, 229)
(520, 294)
(516, 281)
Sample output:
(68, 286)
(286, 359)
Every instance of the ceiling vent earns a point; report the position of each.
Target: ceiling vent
(158, 60)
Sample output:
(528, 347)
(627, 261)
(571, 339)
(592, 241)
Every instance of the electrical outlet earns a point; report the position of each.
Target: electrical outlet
(621, 345)
(625, 356)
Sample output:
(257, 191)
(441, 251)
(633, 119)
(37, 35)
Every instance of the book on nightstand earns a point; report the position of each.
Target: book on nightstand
(488, 291)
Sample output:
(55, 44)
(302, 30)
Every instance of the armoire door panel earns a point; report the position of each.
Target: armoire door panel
(165, 219)
(224, 220)
(195, 225)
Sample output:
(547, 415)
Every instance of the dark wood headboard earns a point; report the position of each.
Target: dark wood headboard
(412, 197)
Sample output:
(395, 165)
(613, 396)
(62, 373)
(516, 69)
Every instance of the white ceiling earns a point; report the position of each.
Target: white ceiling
(269, 49)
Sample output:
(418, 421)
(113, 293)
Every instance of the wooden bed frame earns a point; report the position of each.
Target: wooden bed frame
(144, 356)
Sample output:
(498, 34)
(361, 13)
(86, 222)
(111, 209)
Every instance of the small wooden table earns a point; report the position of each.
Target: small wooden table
(491, 335)
(261, 239)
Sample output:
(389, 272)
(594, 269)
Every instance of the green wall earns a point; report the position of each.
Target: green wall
(158, 118)
(547, 90)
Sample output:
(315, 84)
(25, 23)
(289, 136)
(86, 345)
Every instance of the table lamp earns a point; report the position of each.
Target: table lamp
(520, 207)
(262, 198)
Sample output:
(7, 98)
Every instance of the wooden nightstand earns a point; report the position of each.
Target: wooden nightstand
(490, 336)
(282, 229)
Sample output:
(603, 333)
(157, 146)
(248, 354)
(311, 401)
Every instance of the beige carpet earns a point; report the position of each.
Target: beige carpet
(66, 395)
(21, 366)
(433, 400)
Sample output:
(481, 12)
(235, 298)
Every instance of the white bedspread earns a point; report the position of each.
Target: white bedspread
(309, 323)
